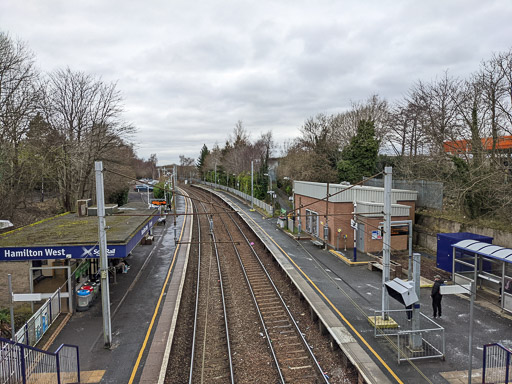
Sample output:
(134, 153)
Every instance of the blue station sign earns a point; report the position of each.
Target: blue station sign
(75, 251)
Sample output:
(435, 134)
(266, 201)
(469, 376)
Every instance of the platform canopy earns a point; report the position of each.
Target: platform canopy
(485, 249)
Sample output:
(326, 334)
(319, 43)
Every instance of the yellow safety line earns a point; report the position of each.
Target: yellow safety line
(347, 261)
(136, 366)
(333, 307)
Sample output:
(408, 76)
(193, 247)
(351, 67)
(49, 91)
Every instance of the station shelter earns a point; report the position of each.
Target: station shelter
(65, 247)
(488, 265)
(341, 212)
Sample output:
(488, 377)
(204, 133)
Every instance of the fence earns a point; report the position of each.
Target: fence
(266, 207)
(25, 364)
(497, 364)
(428, 338)
(430, 193)
(34, 329)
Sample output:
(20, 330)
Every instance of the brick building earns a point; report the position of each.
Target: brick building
(368, 204)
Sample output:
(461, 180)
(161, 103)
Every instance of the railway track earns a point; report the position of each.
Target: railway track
(210, 359)
(292, 360)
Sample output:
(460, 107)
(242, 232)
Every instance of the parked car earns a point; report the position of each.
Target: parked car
(143, 188)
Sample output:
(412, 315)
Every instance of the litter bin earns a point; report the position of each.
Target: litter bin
(83, 300)
(88, 286)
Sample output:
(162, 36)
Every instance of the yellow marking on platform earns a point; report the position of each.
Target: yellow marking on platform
(91, 376)
(347, 261)
(378, 322)
(142, 349)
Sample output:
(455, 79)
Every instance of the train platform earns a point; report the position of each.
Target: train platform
(345, 295)
(143, 312)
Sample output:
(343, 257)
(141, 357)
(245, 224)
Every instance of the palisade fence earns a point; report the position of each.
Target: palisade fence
(25, 364)
(497, 364)
(34, 329)
(266, 207)
(430, 193)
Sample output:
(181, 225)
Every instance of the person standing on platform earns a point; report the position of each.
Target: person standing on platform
(436, 296)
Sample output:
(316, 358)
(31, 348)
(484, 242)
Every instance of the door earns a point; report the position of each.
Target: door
(360, 237)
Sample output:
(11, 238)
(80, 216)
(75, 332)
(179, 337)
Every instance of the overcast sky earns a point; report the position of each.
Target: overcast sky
(189, 70)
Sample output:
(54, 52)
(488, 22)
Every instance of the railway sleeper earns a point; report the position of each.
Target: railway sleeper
(271, 312)
(292, 361)
(280, 326)
(272, 321)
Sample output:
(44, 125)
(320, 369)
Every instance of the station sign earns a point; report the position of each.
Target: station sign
(79, 251)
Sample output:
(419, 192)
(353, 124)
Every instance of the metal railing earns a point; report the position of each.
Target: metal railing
(497, 364)
(34, 329)
(428, 338)
(21, 363)
(260, 204)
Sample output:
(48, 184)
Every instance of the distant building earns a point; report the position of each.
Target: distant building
(344, 200)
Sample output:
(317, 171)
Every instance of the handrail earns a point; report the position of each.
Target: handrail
(16, 361)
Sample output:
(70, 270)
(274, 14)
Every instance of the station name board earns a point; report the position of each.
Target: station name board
(75, 251)
(67, 252)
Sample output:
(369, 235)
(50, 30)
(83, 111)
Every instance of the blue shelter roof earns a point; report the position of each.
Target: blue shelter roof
(485, 249)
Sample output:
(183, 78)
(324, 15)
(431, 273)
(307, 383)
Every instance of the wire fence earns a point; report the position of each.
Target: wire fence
(260, 204)
(430, 193)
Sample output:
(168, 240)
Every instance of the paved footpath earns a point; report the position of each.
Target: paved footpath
(356, 293)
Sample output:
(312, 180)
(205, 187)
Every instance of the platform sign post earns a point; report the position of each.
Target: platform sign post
(415, 341)
(388, 172)
(472, 302)
(105, 293)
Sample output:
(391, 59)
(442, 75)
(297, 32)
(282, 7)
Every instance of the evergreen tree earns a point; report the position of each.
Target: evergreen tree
(359, 158)
(201, 160)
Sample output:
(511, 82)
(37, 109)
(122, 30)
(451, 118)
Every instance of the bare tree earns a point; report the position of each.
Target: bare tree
(87, 114)
(19, 96)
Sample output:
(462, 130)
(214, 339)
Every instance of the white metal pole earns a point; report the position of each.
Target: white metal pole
(471, 305)
(386, 239)
(105, 293)
(11, 305)
(416, 339)
(355, 232)
(252, 184)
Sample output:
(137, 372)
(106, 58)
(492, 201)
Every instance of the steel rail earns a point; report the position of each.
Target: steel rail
(196, 310)
(283, 304)
(258, 310)
(228, 343)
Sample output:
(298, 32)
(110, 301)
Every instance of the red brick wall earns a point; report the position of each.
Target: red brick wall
(339, 217)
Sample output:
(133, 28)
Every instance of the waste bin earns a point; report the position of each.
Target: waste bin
(88, 286)
(83, 300)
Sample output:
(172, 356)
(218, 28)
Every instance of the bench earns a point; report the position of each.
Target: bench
(148, 240)
(395, 269)
(489, 277)
(318, 243)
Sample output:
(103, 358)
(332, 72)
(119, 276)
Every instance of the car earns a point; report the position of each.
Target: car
(143, 188)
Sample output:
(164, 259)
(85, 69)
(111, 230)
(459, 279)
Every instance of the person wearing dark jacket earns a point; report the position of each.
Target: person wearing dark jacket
(436, 295)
